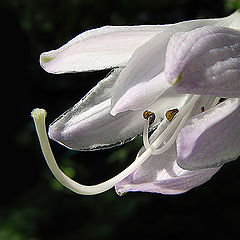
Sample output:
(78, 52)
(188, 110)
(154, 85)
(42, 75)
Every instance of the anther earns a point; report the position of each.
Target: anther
(149, 115)
(170, 114)
(202, 109)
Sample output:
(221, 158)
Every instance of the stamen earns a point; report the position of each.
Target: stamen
(167, 145)
(182, 118)
(170, 114)
(149, 116)
(145, 134)
(39, 120)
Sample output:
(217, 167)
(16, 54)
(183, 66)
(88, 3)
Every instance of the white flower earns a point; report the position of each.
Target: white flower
(187, 77)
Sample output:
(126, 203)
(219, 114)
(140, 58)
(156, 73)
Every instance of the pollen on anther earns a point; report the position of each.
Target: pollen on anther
(170, 114)
(149, 115)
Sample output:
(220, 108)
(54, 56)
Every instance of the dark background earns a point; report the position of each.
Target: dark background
(33, 205)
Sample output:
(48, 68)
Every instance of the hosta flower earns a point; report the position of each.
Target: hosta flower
(181, 82)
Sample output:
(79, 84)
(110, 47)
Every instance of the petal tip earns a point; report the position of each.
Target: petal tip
(54, 133)
(121, 190)
(45, 61)
(118, 108)
(177, 79)
(113, 112)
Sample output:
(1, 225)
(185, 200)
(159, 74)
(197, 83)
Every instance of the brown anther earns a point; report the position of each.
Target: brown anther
(170, 114)
(149, 115)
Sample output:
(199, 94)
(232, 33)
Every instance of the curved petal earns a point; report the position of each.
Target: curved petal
(141, 95)
(232, 21)
(205, 61)
(211, 138)
(107, 47)
(161, 174)
(89, 125)
(147, 63)
(101, 48)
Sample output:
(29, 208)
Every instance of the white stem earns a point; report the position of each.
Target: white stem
(39, 120)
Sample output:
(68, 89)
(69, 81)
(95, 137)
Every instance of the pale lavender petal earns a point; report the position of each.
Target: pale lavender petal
(101, 48)
(232, 21)
(89, 125)
(109, 46)
(161, 174)
(205, 61)
(141, 95)
(142, 78)
(211, 138)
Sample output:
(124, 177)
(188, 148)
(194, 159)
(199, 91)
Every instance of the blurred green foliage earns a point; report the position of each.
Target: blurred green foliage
(232, 4)
(33, 205)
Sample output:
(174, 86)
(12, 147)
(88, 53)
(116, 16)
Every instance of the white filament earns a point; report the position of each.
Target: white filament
(173, 138)
(145, 134)
(177, 123)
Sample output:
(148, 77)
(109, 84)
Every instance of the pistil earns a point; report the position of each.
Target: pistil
(39, 116)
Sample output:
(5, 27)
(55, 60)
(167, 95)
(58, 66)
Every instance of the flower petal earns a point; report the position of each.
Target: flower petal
(140, 77)
(161, 174)
(101, 48)
(141, 95)
(211, 138)
(205, 61)
(89, 125)
(232, 21)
